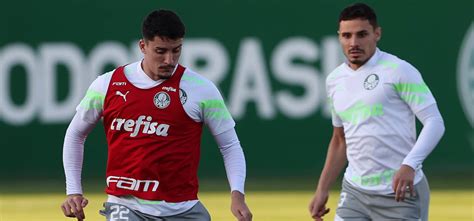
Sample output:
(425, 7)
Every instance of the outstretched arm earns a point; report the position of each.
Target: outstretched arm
(335, 161)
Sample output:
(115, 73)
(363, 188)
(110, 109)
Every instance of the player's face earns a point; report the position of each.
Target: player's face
(358, 39)
(161, 56)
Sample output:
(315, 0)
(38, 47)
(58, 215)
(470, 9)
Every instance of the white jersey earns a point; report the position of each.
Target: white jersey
(376, 104)
(201, 100)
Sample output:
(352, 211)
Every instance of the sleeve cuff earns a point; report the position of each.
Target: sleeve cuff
(410, 164)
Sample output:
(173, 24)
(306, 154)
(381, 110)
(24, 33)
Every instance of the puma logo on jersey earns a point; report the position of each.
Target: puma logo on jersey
(124, 96)
(143, 124)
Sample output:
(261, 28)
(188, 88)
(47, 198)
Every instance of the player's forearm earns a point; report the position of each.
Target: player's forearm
(234, 159)
(73, 152)
(433, 130)
(236, 170)
(335, 162)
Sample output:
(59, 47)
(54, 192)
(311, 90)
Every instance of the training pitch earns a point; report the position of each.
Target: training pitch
(266, 205)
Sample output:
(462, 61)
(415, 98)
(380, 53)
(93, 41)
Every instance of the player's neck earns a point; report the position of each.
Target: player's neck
(149, 72)
(354, 66)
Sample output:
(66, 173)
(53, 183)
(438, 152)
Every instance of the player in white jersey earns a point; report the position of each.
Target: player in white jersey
(201, 101)
(375, 98)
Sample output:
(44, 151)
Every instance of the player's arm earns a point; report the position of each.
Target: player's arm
(234, 162)
(431, 133)
(216, 116)
(73, 152)
(335, 161)
(415, 93)
(88, 113)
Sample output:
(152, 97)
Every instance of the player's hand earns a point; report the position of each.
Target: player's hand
(317, 206)
(239, 208)
(403, 182)
(74, 206)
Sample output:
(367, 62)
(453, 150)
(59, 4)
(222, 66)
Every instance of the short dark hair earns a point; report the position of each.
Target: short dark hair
(359, 11)
(162, 23)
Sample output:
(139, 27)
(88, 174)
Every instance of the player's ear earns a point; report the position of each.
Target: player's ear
(141, 45)
(378, 33)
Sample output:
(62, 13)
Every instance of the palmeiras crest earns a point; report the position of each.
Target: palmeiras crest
(371, 81)
(162, 100)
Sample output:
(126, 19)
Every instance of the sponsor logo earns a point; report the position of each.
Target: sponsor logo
(169, 89)
(124, 96)
(162, 100)
(183, 97)
(135, 126)
(371, 82)
(466, 74)
(119, 83)
(133, 184)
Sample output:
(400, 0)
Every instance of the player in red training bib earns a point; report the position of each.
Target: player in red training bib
(153, 112)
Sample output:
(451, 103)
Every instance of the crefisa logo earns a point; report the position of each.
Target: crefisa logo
(466, 74)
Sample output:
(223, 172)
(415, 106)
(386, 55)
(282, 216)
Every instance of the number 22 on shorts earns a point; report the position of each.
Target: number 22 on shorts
(119, 213)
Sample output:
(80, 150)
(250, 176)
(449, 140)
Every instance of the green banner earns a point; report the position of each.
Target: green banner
(269, 59)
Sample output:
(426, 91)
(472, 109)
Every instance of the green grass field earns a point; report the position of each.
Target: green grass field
(285, 205)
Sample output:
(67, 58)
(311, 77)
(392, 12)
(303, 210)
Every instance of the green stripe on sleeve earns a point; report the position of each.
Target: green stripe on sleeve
(215, 109)
(388, 64)
(93, 100)
(193, 79)
(212, 104)
(412, 88)
(412, 93)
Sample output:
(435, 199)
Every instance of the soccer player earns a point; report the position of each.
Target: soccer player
(375, 97)
(153, 112)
